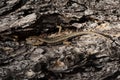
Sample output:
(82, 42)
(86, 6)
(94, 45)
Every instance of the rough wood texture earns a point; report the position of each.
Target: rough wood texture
(88, 57)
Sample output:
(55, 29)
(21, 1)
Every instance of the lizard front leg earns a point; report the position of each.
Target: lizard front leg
(60, 29)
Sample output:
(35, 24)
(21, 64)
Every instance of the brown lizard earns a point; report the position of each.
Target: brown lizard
(37, 40)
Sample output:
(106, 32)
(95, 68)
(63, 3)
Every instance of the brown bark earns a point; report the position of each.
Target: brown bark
(20, 19)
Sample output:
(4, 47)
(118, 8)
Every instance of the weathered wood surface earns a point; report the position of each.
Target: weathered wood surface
(23, 13)
(20, 19)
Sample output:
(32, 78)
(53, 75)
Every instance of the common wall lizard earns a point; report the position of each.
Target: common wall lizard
(59, 39)
(64, 37)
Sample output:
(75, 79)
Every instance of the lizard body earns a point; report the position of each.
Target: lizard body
(71, 35)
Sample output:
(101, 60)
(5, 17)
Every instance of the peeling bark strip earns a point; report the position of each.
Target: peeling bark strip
(24, 22)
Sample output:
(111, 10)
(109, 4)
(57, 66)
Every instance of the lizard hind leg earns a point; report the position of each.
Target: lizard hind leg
(66, 42)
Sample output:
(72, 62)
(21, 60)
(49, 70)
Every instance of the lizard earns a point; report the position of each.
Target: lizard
(57, 39)
(39, 40)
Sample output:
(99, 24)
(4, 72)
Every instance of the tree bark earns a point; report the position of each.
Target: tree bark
(20, 19)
